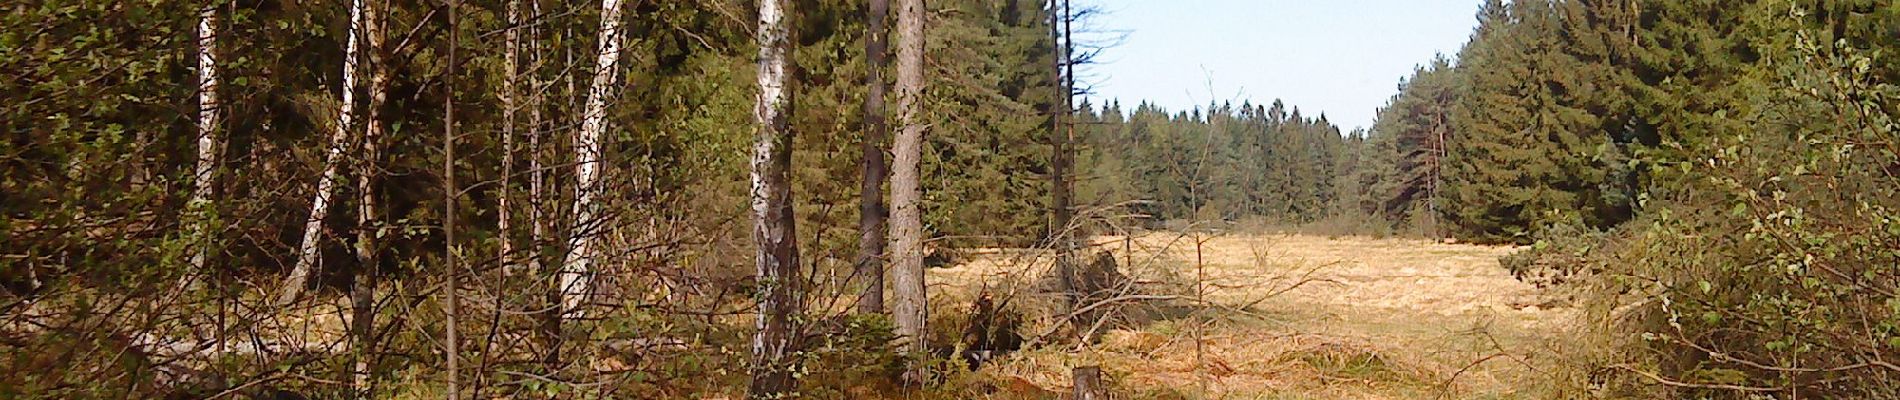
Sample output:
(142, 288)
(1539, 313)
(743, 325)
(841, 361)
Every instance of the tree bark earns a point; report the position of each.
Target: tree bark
(451, 342)
(577, 272)
(1088, 383)
(774, 346)
(210, 146)
(510, 89)
(871, 212)
(1060, 220)
(910, 310)
(369, 222)
(309, 247)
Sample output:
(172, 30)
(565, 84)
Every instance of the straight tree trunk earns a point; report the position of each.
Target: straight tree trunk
(309, 247)
(1058, 166)
(871, 212)
(510, 90)
(774, 346)
(369, 222)
(577, 272)
(451, 342)
(907, 228)
(537, 201)
(210, 146)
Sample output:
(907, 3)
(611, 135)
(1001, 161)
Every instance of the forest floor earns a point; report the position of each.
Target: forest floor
(1291, 316)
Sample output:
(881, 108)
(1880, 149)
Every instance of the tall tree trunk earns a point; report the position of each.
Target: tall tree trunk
(871, 212)
(774, 231)
(510, 90)
(907, 226)
(577, 272)
(537, 201)
(451, 342)
(1058, 165)
(210, 146)
(309, 248)
(369, 222)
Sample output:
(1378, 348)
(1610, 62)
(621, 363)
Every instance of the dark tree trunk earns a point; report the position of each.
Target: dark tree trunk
(871, 212)
(1061, 221)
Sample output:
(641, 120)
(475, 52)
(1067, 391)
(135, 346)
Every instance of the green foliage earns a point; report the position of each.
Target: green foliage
(1222, 163)
(1402, 161)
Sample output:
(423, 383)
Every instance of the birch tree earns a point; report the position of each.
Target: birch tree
(577, 271)
(204, 176)
(774, 228)
(871, 212)
(509, 93)
(307, 251)
(907, 233)
(368, 216)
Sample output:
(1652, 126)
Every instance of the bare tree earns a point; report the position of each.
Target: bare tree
(326, 183)
(871, 212)
(910, 311)
(577, 272)
(204, 176)
(774, 346)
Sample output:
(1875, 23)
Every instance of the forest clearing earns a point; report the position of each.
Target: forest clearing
(950, 199)
(1299, 316)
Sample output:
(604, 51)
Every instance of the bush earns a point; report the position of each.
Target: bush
(1772, 271)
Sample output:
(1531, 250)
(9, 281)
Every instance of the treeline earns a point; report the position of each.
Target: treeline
(1718, 178)
(1222, 163)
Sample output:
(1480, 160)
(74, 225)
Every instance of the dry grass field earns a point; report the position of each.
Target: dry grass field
(1294, 317)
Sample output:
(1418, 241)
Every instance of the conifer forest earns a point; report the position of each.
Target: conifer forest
(933, 199)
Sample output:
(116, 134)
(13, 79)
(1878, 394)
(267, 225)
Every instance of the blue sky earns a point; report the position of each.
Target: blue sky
(1340, 57)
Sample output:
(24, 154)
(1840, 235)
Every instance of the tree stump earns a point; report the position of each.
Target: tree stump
(1088, 384)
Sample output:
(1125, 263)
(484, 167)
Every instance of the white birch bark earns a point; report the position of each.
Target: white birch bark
(326, 184)
(511, 75)
(577, 272)
(774, 345)
(204, 176)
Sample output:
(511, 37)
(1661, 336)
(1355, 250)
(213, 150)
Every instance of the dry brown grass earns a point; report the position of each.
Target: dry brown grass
(1295, 316)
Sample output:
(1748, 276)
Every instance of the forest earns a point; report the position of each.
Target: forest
(906, 199)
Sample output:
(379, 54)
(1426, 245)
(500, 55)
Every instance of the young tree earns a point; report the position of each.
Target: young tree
(308, 249)
(907, 230)
(871, 212)
(577, 272)
(774, 232)
(451, 343)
